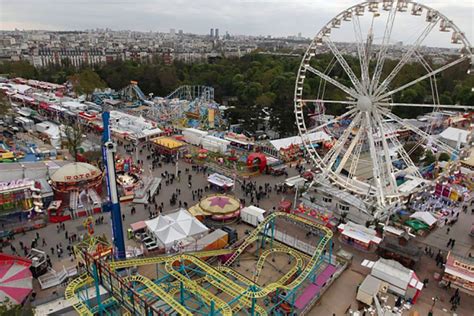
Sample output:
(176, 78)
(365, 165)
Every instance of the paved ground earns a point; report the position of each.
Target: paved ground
(336, 300)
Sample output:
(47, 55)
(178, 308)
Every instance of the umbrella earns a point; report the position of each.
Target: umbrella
(15, 278)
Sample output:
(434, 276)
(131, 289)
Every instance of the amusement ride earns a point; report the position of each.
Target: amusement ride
(235, 279)
(367, 134)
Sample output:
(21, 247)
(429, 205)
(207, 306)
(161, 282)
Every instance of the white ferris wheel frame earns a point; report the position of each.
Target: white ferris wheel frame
(369, 100)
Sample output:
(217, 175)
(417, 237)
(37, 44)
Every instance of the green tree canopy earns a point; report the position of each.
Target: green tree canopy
(86, 81)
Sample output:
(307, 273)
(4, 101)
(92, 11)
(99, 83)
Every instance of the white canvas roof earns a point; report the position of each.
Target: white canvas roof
(359, 232)
(296, 140)
(425, 217)
(175, 227)
(220, 180)
(195, 131)
(411, 184)
(392, 272)
(452, 134)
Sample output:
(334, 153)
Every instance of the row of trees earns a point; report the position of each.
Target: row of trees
(253, 84)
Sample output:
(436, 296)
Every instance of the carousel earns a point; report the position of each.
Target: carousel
(78, 186)
(218, 207)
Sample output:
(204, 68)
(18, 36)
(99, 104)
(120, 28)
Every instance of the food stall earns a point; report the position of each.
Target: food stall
(359, 236)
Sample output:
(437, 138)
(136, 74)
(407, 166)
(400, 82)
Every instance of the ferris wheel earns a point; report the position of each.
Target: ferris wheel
(366, 136)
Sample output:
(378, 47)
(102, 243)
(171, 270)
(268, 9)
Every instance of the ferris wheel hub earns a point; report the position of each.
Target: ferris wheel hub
(364, 103)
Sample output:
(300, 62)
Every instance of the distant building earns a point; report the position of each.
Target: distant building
(172, 32)
(217, 33)
(211, 34)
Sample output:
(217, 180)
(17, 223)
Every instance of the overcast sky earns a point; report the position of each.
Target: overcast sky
(253, 17)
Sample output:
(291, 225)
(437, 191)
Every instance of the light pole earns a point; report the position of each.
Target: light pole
(434, 299)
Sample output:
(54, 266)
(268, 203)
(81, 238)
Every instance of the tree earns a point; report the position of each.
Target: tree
(5, 106)
(86, 82)
(429, 158)
(74, 139)
(444, 157)
(7, 308)
(416, 153)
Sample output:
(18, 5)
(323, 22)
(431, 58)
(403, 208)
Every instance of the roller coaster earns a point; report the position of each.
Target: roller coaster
(193, 284)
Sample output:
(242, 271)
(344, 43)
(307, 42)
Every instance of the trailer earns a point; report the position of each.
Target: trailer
(252, 215)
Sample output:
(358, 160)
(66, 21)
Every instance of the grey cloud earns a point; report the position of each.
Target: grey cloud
(257, 17)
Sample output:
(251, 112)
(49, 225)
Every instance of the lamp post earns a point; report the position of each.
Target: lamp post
(434, 299)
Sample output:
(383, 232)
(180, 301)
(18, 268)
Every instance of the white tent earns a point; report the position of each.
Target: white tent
(296, 140)
(171, 228)
(452, 135)
(425, 217)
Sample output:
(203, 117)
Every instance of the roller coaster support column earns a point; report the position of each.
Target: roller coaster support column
(97, 287)
(254, 301)
(181, 293)
(212, 311)
(108, 152)
(271, 226)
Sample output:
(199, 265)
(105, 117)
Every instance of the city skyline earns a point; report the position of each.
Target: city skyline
(237, 17)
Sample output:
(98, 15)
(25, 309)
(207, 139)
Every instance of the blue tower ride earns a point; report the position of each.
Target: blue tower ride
(108, 152)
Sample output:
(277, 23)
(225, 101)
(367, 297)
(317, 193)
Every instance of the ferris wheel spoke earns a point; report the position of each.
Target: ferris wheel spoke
(442, 106)
(375, 161)
(411, 83)
(419, 132)
(336, 150)
(383, 49)
(406, 57)
(350, 150)
(347, 69)
(327, 101)
(346, 115)
(389, 172)
(433, 84)
(364, 69)
(347, 90)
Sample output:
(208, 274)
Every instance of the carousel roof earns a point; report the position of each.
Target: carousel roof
(219, 204)
(15, 279)
(75, 172)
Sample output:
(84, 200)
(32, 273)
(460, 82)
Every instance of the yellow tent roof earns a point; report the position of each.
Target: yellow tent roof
(168, 142)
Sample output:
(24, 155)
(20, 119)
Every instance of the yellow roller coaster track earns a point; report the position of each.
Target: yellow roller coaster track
(287, 250)
(165, 258)
(216, 277)
(71, 295)
(195, 287)
(166, 297)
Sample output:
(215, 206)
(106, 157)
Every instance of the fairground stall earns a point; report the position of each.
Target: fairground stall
(220, 182)
(16, 197)
(460, 272)
(359, 236)
(78, 186)
(168, 145)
